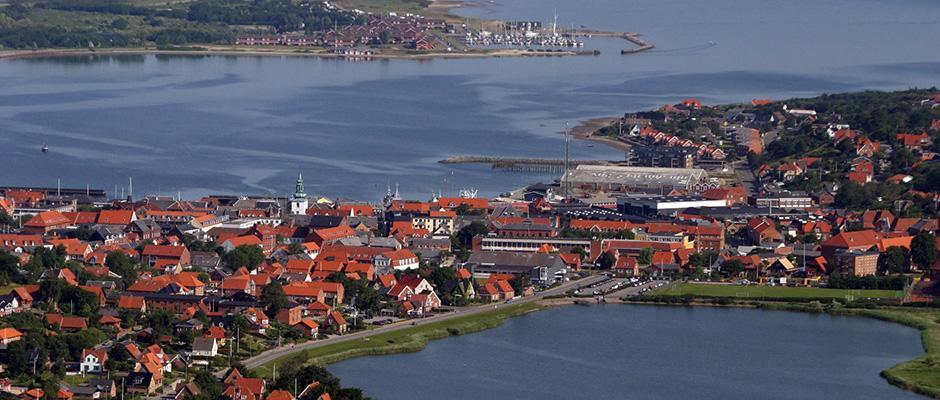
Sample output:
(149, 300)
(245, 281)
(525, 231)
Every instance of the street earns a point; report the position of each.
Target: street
(273, 354)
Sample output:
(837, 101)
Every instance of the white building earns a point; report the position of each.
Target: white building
(298, 204)
(93, 361)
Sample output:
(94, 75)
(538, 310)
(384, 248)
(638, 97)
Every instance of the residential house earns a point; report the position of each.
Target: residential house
(9, 335)
(336, 322)
(93, 361)
(204, 350)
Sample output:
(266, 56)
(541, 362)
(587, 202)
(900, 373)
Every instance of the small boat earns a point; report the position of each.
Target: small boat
(45, 148)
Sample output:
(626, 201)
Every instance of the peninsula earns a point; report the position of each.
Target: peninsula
(343, 29)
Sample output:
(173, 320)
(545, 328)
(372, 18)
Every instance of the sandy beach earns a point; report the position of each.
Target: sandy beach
(586, 129)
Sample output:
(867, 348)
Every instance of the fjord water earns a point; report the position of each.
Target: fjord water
(649, 353)
(199, 125)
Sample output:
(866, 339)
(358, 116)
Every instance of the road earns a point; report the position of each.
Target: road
(273, 354)
(748, 180)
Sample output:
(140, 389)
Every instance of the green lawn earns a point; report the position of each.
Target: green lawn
(405, 340)
(757, 292)
(8, 288)
(384, 6)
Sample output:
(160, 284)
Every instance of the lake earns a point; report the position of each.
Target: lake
(649, 352)
(223, 124)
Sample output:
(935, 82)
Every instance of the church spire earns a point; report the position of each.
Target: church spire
(299, 189)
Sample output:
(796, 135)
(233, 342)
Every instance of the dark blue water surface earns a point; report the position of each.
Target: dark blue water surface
(650, 353)
(200, 125)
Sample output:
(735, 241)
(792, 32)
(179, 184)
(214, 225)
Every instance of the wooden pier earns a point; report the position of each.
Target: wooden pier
(522, 164)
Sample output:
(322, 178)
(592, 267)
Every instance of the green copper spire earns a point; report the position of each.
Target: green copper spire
(299, 191)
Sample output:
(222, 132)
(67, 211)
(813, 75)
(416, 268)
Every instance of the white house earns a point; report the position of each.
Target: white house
(93, 361)
(204, 349)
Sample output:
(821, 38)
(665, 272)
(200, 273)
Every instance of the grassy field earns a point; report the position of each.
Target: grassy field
(383, 6)
(8, 288)
(402, 341)
(783, 292)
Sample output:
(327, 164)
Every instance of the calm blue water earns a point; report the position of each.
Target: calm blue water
(201, 125)
(649, 352)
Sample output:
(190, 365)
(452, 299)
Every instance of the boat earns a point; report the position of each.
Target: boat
(45, 148)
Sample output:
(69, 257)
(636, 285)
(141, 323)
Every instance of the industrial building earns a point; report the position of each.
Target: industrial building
(617, 178)
(651, 204)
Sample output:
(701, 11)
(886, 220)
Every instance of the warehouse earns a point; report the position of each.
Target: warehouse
(616, 178)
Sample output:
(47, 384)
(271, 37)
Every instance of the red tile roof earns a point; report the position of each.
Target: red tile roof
(47, 219)
(115, 217)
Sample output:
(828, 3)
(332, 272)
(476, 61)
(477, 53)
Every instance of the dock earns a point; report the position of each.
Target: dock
(632, 37)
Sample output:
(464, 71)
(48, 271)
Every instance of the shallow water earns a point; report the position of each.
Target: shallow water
(198, 125)
(649, 352)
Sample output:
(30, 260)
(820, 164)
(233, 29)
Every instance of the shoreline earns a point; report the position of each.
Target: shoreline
(893, 375)
(585, 131)
(258, 51)
(437, 6)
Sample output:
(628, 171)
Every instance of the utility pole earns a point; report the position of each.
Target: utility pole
(567, 153)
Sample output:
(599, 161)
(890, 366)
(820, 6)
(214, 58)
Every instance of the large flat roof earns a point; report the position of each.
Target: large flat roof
(636, 176)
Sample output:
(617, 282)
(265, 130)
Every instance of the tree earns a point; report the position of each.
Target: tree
(80, 301)
(646, 256)
(43, 259)
(581, 252)
(9, 269)
(295, 248)
(6, 220)
(122, 264)
(702, 260)
(161, 322)
(50, 290)
(274, 298)
(209, 386)
(15, 358)
(895, 260)
(247, 256)
(852, 196)
(440, 276)
(606, 260)
(519, 283)
(119, 359)
(733, 267)
(466, 234)
(924, 249)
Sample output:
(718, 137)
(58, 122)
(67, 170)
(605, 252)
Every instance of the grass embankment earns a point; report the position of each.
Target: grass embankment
(402, 341)
(776, 292)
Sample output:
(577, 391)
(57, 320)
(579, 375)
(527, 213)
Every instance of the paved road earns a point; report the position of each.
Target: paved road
(748, 180)
(273, 354)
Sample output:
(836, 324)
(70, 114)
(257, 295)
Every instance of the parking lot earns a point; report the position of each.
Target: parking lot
(619, 287)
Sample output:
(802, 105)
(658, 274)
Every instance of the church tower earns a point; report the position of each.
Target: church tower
(298, 204)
